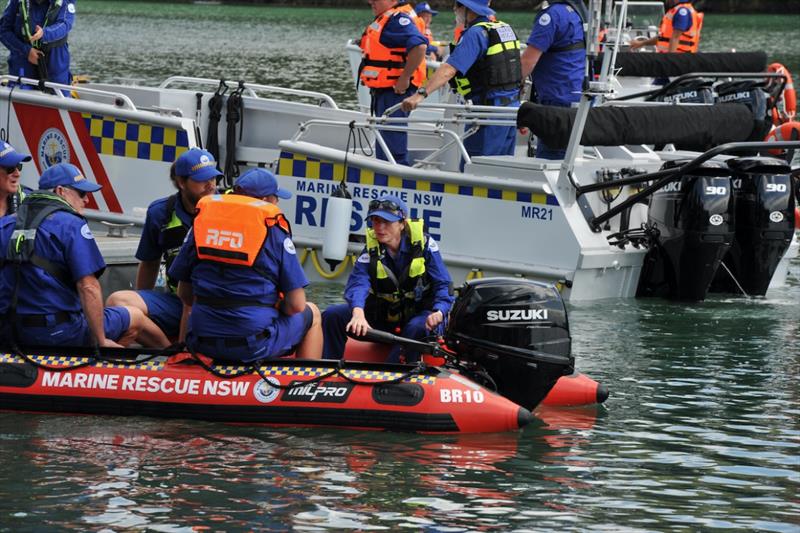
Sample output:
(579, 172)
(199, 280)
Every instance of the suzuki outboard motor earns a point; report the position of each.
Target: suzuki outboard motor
(764, 224)
(515, 330)
(753, 94)
(694, 221)
(696, 91)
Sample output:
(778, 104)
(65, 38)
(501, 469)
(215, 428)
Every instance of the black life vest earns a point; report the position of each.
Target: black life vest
(498, 69)
(173, 233)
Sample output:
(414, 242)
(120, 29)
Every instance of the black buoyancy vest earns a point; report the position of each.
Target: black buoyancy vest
(36, 207)
(500, 68)
(173, 233)
(50, 18)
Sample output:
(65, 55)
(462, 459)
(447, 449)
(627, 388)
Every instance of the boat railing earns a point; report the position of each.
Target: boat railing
(252, 88)
(117, 99)
(662, 178)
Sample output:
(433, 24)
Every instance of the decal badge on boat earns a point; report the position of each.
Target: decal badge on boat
(265, 392)
(53, 148)
(327, 392)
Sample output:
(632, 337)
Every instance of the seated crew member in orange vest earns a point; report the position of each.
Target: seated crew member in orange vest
(392, 66)
(235, 263)
(679, 31)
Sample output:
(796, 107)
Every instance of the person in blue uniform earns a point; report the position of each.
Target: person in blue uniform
(485, 68)
(392, 66)
(35, 33)
(245, 308)
(399, 282)
(556, 56)
(166, 224)
(426, 13)
(11, 190)
(49, 290)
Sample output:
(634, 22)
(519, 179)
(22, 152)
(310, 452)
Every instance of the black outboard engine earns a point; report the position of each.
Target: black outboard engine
(516, 330)
(764, 224)
(694, 219)
(697, 91)
(753, 94)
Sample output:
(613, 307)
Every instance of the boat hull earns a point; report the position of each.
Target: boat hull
(291, 393)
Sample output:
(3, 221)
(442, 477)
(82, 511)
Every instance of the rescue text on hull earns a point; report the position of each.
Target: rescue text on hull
(486, 384)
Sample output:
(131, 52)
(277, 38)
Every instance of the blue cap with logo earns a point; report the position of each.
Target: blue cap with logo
(389, 207)
(197, 165)
(66, 175)
(258, 183)
(425, 7)
(479, 7)
(9, 157)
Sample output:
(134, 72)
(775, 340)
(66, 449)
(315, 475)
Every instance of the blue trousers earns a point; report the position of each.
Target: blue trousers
(336, 317)
(492, 140)
(396, 141)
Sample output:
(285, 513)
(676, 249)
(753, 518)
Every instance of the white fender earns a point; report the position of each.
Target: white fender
(336, 230)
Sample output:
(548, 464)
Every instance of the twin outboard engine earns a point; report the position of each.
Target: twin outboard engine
(693, 218)
(764, 224)
(695, 91)
(516, 330)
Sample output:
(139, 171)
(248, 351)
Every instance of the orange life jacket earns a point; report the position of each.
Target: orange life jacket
(231, 228)
(690, 40)
(382, 66)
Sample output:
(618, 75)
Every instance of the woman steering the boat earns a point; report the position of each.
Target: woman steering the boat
(399, 283)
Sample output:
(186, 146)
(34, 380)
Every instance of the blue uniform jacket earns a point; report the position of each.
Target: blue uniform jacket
(471, 47)
(12, 36)
(401, 32)
(358, 284)
(64, 239)
(151, 245)
(558, 76)
(209, 279)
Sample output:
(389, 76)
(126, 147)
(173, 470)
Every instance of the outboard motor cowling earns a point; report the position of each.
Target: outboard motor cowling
(765, 222)
(517, 331)
(696, 91)
(694, 217)
(753, 94)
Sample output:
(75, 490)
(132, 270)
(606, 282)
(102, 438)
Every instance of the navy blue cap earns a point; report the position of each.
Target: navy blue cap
(66, 175)
(425, 7)
(258, 183)
(479, 7)
(9, 157)
(197, 165)
(380, 208)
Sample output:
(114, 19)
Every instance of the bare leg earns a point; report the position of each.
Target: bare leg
(136, 319)
(150, 335)
(127, 299)
(311, 345)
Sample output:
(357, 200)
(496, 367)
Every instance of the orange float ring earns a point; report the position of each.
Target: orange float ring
(785, 108)
(797, 218)
(789, 131)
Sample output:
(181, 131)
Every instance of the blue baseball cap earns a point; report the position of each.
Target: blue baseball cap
(66, 175)
(197, 165)
(258, 183)
(389, 207)
(479, 7)
(9, 157)
(425, 7)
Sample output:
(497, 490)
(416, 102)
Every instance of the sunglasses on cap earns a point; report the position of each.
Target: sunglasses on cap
(385, 205)
(10, 170)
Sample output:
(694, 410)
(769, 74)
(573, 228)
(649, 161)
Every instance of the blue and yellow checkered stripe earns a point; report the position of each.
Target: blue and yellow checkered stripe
(61, 361)
(300, 166)
(313, 372)
(115, 136)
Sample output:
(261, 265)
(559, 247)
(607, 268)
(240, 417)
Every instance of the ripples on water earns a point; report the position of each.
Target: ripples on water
(701, 430)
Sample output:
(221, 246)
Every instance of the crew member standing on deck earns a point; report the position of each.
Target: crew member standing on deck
(166, 224)
(399, 281)
(426, 13)
(393, 67)
(35, 33)
(49, 265)
(556, 56)
(11, 191)
(485, 68)
(679, 30)
(239, 275)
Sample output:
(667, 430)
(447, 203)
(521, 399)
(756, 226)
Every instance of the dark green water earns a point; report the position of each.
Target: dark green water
(701, 432)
